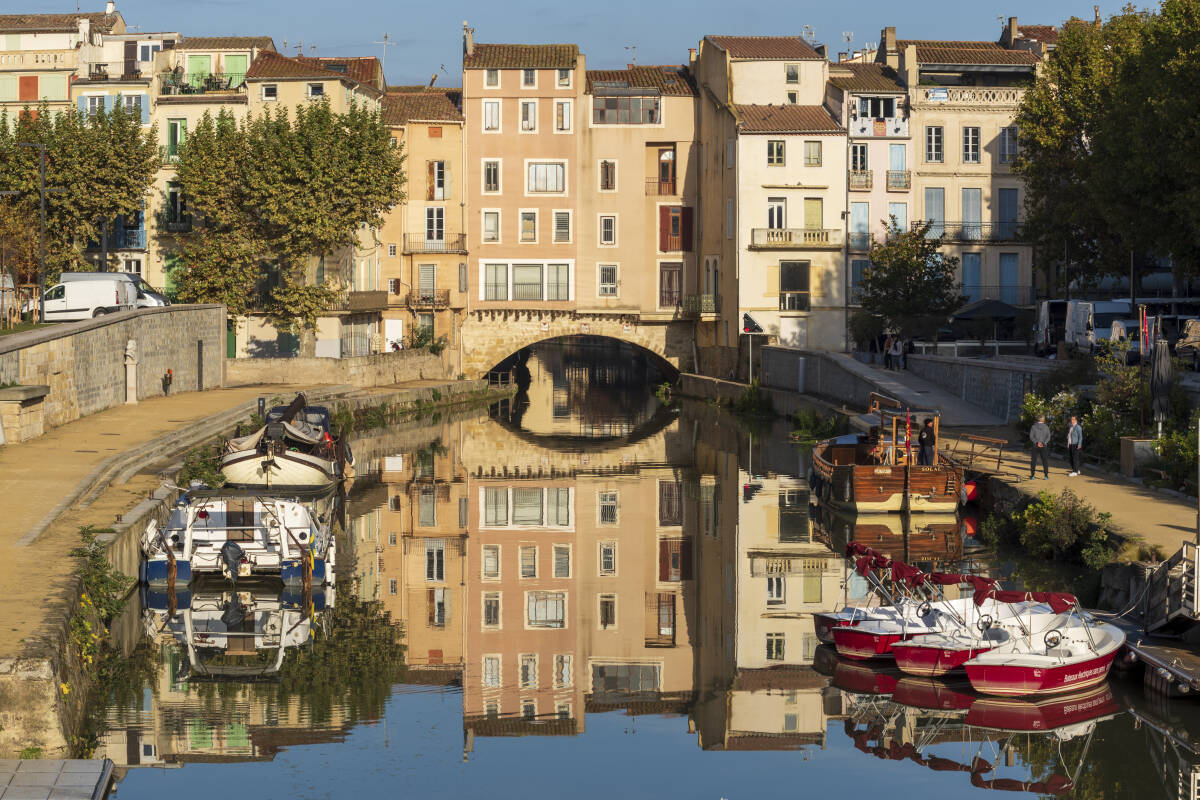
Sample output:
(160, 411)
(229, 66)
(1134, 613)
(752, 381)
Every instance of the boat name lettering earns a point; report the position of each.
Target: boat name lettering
(883, 470)
(1087, 673)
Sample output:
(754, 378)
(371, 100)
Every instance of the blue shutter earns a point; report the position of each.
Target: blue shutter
(83, 105)
(1010, 268)
(971, 277)
(145, 109)
(109, 102)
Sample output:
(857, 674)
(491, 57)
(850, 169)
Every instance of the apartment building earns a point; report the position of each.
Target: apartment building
(776, 161)
(423, 260)
(963, 98)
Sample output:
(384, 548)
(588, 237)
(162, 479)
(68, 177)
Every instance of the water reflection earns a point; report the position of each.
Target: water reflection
(628, 600)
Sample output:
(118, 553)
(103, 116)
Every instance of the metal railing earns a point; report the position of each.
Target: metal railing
(899, 180)
(178, 82)
(696, 304)
(527, 291)
(359, 302)
(972, 231)
(670, 298)
(102, 72)
(435, 299)
(419, 243)
(499, 379)
(793, 301)
(975, 95)
(174, 223)
(655, 186)
(795, 238)
(127, 239)
(861, 179)
(1013, 295)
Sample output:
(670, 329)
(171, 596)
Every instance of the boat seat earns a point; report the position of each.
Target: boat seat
(1059, 652)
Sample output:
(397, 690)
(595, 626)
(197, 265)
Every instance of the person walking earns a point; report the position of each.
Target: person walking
(1039, 434)
(1074, 442)
(887, 352)
(926, 444)
(897, 353)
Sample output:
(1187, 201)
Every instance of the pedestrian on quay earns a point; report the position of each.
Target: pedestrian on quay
(887, 352)
(897, 353)
(1039, 434)
(1074, 442)
(926, 444)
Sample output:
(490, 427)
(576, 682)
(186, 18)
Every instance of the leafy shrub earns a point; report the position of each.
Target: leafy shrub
(994, 530)
(753, 400)
(1065, 527)
(1057, 409)
(811, 425)
(203, 464)
(1068, 375)
(1177, 453)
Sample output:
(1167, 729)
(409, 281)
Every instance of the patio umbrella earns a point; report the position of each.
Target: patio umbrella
(994, 310)
(1160, 382)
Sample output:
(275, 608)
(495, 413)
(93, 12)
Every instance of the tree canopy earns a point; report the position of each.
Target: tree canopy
(909, 284)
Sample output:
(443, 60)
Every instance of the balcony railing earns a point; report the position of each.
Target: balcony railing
(435, 299)
(174, 223)
(976, 231)
(361, 302)
(178, 82)
(104, 72)
(419, 243)
(696, 304)
(899, 180)
(127, 239)
(669, 298)
(1013, 295)
(795, 238)
(793, 301)
(860, 179)
(859, 241)
(879, 126)
(1001, 97)
(660, 188)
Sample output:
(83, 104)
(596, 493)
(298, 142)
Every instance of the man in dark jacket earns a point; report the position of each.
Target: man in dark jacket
(1039, 434)
(927, 443)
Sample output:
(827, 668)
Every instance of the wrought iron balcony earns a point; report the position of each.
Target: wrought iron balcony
(695, 305)
(434, 300)
(419, 243)
(860, 179)
(174, 223)
(899, 180)
(178, 82)
(971, 231)
(655, 187)
(361, 302)
(795, 238)
(1013, 295)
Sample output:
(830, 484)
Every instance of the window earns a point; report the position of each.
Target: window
(793, 98)
(547, 177)
(935, 211)
(492, 709)
(608, 176)
(792, 73)
(812, 154)
(607, 288)
(495, 287)
(608, 610)
(546, 609)
(670, 504)
(528, 710)
(608, 230)
(529, 671)
(972, 214)
(528, 78)
(775, 151)
(876, 107)
(528, 232)
(316, 91)
(491, 672)
(776, 213)
(495, 501)
(608, 558)
(675, 228)
(529, 561)
(564, 79)
(393, 141)
(562, 671)
(436, 185)
(435, 560)
(625, 110)
(146, 52)
(133, 105)
(793, 285)
(608, 507)
(176, 134)
(858, 268)
(270, 92)
(177, 213)
(562, 115)
(491, 176)
(529, 115)
(391, 251)
(438, 600)
(670, 285)
(435, 224)
(392, 586)
(491, 561)
(970, 145)
(558, 287)
(562, 561)
(1008, 144)
(491, 226)
(426, 498)
(491, 610)
(527, 503)
(491, 78)
(775, 647)
(95, 105)
(858, 157)
(774, 590)
(562, 226)
(728, 218)
(898, 216)
(491, 115)
(933, 144)
(1006, 213)
(435, 131)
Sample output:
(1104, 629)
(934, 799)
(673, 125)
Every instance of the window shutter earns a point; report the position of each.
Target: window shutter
(109, 102)
(145, 103)
(429, 177)
(664, 227)
(431, 605)
(462, 287)
(562, 562)
(445, 607)
(446, 180)
(685, 228)
(83, 105)
(664, 561)
(685, 560)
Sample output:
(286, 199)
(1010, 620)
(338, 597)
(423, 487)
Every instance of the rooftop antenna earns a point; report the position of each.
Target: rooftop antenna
(284, 51)
(809, 34)
(632, 48)
(386, 42)
(300, 48)
(312, 49)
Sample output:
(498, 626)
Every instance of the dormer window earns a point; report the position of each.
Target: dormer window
(564, 79)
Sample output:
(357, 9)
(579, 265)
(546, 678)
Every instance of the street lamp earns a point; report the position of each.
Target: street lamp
(42, 190)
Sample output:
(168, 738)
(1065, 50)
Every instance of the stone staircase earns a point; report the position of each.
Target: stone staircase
(1171, 596)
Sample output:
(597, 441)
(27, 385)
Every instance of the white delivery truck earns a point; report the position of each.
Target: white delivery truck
(146, 296)
(1089, 321)
(76, 300)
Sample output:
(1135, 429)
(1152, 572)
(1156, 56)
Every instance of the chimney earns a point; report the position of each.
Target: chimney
(468, 40)
(433, 80)
(888, 38)
(85, 30)
(1011, 33)
(691, 55)
(843, 56)
(110, 7)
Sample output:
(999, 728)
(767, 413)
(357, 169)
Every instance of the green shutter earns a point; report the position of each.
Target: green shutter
(53, 87)
(8, 88)
(198, 68)
(235, 69)
(171, 263)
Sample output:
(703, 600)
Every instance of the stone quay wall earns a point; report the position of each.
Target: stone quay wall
(83, 363)
(997, 386)
(384, 369)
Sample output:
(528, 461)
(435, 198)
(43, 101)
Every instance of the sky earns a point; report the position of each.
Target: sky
(428, 36)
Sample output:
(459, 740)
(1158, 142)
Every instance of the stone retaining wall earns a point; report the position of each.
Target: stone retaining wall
(997, 386)
(385, 369)
(83, 363)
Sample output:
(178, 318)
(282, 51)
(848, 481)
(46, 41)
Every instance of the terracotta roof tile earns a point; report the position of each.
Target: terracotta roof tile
(269, 64)
(865, 78)
(787, 119)
(522, 56)
(1047, 34)
(226, 43)
(364, 69)
(56, 22)
(981, 53)
(426, 106)
(668, 79)
(765, 47)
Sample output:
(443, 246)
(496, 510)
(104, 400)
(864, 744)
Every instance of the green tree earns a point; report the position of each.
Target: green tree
(910, 284)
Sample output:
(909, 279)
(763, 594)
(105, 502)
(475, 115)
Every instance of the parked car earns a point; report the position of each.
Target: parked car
(76, 300)
(146, 296)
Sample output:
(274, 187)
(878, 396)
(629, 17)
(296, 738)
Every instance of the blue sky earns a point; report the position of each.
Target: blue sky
(428, 36)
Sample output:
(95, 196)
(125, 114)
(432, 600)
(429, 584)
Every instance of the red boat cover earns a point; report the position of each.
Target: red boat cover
(1058, 601)
(1055, 784)
(906, 573)
(858, 549)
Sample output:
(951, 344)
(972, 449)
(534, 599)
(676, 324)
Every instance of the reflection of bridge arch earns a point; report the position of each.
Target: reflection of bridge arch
(490, 337)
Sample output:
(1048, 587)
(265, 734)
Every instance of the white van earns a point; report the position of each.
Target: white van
(146, 296)
(76, 300)
(1088, 321)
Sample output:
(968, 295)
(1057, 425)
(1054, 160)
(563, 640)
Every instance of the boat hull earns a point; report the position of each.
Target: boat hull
(933, 661)
(852, 642)
(155, 571)
(254, 469)
(1017, 680)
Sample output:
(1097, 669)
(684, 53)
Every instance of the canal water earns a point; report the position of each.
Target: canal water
(585, 592)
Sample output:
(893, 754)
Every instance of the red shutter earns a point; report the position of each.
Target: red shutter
(664, 228)
(685, 228)
(685, 560)
(27, 88)
(664, 560)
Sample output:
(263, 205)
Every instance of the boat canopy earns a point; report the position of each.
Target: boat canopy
(865, 559)
(249, 442)
(1059, 602)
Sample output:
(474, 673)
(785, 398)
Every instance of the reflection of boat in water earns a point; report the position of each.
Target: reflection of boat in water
(933, 693)
(933, 539)
(1021, 715)
(877, 471)
(235, 634)
(860, 677)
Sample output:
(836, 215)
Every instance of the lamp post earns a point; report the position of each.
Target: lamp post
(42, 190)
